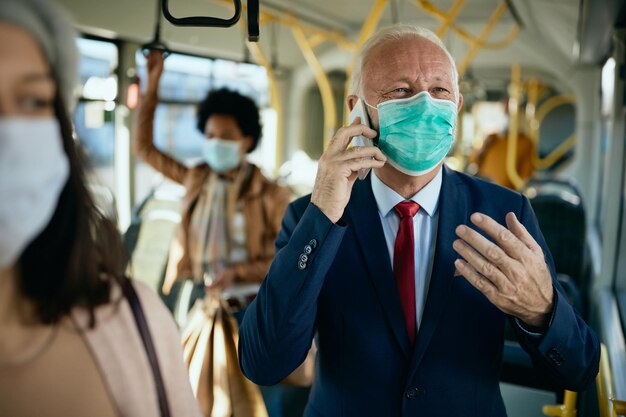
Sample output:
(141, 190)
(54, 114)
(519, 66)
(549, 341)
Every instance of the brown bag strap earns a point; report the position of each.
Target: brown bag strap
(144, 332)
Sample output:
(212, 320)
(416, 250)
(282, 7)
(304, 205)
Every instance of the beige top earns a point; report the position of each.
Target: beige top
(104, 372)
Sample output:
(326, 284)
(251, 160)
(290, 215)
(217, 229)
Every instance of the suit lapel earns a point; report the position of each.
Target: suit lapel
(362, 214)
(452, 210)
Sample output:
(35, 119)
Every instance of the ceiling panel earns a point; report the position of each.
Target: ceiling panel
(549, 26)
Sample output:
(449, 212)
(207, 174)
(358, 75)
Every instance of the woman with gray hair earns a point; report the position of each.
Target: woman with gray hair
(77, 338)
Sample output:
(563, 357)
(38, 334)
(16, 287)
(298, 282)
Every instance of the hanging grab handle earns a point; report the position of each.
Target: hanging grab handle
(208, 21)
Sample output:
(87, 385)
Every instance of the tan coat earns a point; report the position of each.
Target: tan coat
(264, 204)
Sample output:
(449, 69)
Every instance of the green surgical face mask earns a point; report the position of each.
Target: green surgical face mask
(416, 133)
(221, 154)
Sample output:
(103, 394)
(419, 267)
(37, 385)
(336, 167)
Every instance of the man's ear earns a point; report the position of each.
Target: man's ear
(351, 101)
(460, 103)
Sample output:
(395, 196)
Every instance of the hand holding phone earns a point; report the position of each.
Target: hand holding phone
(360, 111)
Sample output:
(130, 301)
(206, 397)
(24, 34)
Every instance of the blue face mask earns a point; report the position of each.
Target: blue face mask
(221, 155)
(416, 133)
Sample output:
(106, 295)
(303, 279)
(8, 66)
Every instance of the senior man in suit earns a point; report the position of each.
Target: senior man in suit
(405, 279)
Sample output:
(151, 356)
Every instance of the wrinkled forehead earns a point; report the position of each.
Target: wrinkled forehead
(407, 55)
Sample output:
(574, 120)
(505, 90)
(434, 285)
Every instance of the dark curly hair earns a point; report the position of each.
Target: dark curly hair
(242, 108)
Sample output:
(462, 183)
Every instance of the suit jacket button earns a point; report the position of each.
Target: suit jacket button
(308, 249)
(313, 243)
(555, 357)
(302, 265)
(304, 258)
(412, 393)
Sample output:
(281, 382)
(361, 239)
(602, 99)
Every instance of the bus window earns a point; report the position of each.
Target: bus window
(93, 116)
(185, 81)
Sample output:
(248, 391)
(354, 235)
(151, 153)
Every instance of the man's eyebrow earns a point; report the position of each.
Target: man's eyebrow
(443, 77)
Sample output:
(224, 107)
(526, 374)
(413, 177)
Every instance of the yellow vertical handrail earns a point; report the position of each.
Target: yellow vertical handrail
(449, 18)
(607, 404)
(532, 98)
(491, 24)
(259, 56)
(328, 101)
(515, 90)
(604, 383)
(368, 28)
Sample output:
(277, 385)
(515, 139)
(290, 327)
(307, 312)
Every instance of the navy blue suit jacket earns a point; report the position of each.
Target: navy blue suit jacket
(344, 294)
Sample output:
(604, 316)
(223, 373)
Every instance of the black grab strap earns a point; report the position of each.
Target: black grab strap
(144, 332)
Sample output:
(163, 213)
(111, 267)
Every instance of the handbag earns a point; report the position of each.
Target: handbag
(210, 352)
(146, 338)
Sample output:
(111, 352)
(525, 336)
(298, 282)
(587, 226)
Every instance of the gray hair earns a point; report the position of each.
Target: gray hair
(394, 33)
(54, 32)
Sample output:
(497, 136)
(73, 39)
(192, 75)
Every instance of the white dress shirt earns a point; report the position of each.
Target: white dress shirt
(424, 229)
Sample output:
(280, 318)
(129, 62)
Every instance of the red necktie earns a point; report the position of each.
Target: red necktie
(404, 264)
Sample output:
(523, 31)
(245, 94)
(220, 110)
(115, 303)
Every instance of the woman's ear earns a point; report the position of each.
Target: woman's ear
(247, 144)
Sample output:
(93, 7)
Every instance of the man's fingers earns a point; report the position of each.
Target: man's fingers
(503, 237)
(483, 266)
(344, 135)
(521, 233)
(478, 281)
(358, 152)
(363, 163)
(490, 251)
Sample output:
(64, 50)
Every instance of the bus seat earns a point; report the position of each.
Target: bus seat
(491, 159)
(571, 291)
(561, 215)
(148, 238)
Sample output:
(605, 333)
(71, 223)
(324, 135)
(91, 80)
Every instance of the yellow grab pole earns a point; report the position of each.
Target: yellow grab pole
(328, 101)
(603, 383)
(567, 409)
(511, 143)
(607, 404)
(371, 22)
(531, 109)
(450, 16)
(368, 28)
(441, 15)
(491, 24)
(259, 56)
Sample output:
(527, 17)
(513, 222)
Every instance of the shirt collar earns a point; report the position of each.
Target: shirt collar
(427, 197)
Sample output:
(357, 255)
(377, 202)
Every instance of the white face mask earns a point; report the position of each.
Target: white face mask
(222, 155)
(33, 171)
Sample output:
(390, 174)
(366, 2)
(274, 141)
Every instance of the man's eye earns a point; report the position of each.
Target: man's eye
(440, 90)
